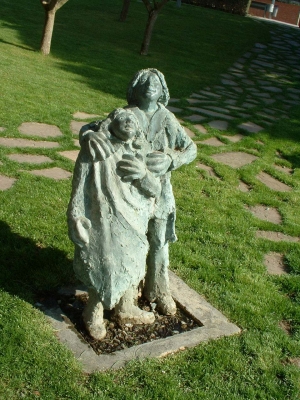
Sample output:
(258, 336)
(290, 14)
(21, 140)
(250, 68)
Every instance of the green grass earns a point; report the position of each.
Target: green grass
(92, 60)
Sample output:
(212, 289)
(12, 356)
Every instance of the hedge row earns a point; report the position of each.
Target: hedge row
(233, 6)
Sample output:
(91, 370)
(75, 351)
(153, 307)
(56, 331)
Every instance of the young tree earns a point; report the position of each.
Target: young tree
(153, 10)
(124, 12)
(50, 7)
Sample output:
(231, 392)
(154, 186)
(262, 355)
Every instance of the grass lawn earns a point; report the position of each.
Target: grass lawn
(92, 60)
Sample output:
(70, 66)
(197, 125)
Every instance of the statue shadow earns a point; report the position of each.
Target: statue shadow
(27, 269)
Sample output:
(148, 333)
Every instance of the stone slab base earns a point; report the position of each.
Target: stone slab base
(215, 325)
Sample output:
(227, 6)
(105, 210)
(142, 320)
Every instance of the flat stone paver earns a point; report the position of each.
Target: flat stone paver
(220, 125)
(14, 142)
(6, 182)
(84, 115)
(208, 169)
(53, 173)
(29, 158)
(234, 138)
(274, 263)
(234, 159)
(76, 142)
(250, 127)
(75, 126)
(276, 236)
(273, 183)
(195, 118)
(38, 129)
(173, 100)
(243, 187)
(210, 113)
(266, 213)
(70, 154)
(174, 109)
(212, 142)
(190, 133)
(200, 128)
(285, 170)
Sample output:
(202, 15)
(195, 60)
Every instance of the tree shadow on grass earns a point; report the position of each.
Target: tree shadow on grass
(27, 268)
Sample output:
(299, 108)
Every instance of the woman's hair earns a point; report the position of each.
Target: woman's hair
(139, 77)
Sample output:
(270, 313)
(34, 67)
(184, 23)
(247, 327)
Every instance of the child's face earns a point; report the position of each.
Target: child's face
(124, 126)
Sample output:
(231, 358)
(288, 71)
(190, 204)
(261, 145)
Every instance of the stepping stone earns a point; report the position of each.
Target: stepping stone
(263, 64)
(53, 173)
(29, 158)
(243, 115)
(75, 126)
(213, 142)
(6, 182)
(41, 130)
(295, 361)
(248, 82)
(238, 90)
(210, 94)
(2, 129)
(250, 127)
(235, 108)
(200, 128)
(190, 133)
(219, 109)
(234, 159)
(229, 82)
(70, 154)
(273, 183)
(230, 101)
(266, 116)
(266, 213)
(260, 46)
(286, 170)
(174, 109)
(220, 125)
(208, 169)
(76, 142)
(195, 118)
(276, 236)
(193, 101)
(273, 89)
(198, 96)
(209, 112)
(83, 115)
(260, 142)
(235, 138)
(243, 187)
(173, 100)
(248, 105)
(11, 142)
(274, 263)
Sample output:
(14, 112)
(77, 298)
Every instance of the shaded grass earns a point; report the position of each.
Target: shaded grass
(93, 58)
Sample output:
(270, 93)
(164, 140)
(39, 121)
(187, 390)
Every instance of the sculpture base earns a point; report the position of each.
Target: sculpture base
(205, 323)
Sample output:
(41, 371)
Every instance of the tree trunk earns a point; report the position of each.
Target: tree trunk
(152, 17)
(48, 31)
(125, 9)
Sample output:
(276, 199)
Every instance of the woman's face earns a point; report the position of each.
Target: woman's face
(149, 87)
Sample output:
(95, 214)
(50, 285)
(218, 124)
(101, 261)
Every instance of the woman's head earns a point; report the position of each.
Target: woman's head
(142, 78)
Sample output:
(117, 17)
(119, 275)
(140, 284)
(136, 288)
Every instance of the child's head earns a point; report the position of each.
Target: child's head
(124, 124)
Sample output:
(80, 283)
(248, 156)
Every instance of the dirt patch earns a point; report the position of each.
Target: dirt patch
(266, 213)
(234, 159)
(285, 326)
(274, 263)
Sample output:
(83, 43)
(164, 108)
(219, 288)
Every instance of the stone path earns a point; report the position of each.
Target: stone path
(260, 81)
